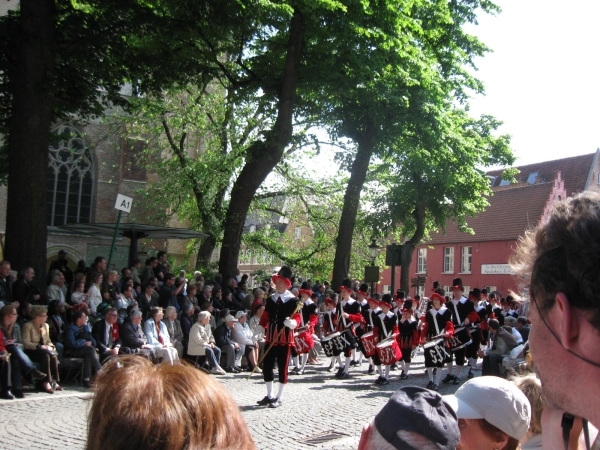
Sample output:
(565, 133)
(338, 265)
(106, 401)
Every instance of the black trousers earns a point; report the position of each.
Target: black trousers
(281, 355)
(48, 362)
(491, 365)
(91, 364)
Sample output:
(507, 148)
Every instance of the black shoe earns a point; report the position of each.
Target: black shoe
(240, 369)
(378, 380)
(456, 381)
(7, 395)
(352, 363)
(436, 387)
(402, 373)
(330, 368)
(266, 401)
(87, 384)
(276, 404)
(344, 375)
(358, 363)
(448, 378)
(37, 375)
(232, 370)
(294, 371)
(371, 370)
(384, 382)
(339, 372)
(470, 374)
(394, 367)
(18, 393)
(430, 385)
(300, 372)
(404, 377)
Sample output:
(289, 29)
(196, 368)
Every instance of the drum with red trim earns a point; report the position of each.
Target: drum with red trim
(389, 351)
(304, 342)
(369, 341)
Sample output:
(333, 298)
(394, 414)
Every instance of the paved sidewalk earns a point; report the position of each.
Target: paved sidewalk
(313, 403)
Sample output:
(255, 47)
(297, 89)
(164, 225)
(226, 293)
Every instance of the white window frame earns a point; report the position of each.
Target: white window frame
(386, 288)
(466, 259)
(422, 260)
(490, 288)
(448, 266)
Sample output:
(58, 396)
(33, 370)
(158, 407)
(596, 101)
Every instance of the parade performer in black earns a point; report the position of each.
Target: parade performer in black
(306, 328)
(349, 313)
(408, 338)
(279, 320)
(362, 296)
(386, 326)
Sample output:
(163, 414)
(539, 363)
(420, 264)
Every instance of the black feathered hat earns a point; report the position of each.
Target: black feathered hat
(364, 289)
(346, 284)
(305, 289)
(457, 284)
(285, 274)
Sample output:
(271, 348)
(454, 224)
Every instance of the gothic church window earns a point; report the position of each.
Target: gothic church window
(71, 174)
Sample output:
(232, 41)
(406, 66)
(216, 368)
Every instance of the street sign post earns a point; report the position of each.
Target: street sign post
(123, 203)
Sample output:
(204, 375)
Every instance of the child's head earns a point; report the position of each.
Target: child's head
(79, 286)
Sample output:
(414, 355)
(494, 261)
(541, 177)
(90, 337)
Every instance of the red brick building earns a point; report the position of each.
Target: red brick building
(481, 259)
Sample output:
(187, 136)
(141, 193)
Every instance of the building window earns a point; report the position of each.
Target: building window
(467, 290)
(490, 288)
(298, 233)
(386, 288)
(422, 260)
(465, 260)
(71, 174)
(448, 259)
(532, 177)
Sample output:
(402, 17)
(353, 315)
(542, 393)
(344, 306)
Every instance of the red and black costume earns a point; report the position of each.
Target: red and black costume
(386, 326)
(408, 337)
(278, 308)
(437, 321)
(461, 309)
(352, 308)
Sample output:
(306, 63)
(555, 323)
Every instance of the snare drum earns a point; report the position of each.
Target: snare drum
(435, 353)
(349, 340)
(369, 342)
(459, 340)
(389, 351)
(333, 344)
(304, 342)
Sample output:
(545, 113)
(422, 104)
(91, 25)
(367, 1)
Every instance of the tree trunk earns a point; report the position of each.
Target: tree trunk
(205, 251)
(410, 245)
(263, 156)
(358, 174)
(29, 138)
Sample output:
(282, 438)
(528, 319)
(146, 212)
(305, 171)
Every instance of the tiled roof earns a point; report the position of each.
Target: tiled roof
(512, 210)
(574, 171)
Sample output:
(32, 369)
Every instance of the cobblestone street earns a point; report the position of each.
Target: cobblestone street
(313, 403)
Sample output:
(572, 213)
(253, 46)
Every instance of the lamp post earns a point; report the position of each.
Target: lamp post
(373, 252)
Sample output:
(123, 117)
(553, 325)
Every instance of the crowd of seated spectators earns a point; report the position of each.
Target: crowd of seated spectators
(94, 313)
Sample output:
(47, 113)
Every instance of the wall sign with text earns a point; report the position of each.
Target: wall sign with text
(496, 269)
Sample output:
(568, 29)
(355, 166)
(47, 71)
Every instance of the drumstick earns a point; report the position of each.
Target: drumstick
(298, 308)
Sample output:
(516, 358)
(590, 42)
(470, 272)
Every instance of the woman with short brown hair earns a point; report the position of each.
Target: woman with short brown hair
(39, 347)
(149, 402)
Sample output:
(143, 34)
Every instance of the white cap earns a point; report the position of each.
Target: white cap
(240, 314)
(498, 401)
(230, 318)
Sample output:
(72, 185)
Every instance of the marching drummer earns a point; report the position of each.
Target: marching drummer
(279, 320)
(463, 314)
(330, 324)
(371, 317)
(408, 337)
(348, 314)
(438, 326)
(362, 296)
(386, 326)
(479, 330)
(310, 319)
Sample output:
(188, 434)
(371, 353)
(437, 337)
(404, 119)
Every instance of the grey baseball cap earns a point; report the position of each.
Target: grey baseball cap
(418, 410)
(498, 401)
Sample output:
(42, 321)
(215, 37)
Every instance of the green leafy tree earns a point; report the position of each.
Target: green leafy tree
(433, 174)
(423, 55)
